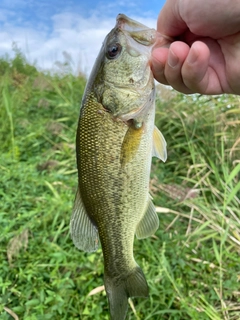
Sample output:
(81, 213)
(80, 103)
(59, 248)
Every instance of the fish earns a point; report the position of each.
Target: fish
(115, 141)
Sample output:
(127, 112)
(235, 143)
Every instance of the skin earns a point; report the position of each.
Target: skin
(114, 145)
(204, 54)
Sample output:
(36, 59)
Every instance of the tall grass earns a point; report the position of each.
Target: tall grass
(204, 146)
(191, 264)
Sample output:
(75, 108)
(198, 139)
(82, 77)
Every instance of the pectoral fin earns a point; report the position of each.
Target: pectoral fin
(131, 144)
(83, 232)
(159, 145)
(149, 223)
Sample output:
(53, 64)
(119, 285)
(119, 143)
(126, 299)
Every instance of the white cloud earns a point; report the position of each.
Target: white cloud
(79, 36)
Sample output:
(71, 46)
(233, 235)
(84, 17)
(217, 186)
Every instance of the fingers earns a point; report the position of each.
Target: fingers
(185, 69)
(178, 52)
(195, 70)
(167, 65)
(159, 58)
(190, 74)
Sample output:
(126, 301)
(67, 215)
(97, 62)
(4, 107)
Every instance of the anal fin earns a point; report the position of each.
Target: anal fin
(149, 223)
(83, 232)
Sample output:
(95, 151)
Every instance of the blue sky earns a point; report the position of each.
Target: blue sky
(47, 31)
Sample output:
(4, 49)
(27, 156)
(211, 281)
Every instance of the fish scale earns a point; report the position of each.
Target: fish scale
(100, 170)
(115, 142)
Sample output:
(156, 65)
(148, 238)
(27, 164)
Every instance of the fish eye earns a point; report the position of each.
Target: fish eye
(113, 51)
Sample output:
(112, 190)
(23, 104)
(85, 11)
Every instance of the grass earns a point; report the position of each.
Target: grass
(191, 264)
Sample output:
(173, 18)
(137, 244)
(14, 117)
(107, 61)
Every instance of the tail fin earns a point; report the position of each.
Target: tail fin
(120, 289)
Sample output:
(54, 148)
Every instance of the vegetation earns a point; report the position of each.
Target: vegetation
(191, 264)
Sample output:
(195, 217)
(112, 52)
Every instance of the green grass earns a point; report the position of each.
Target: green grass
(191, 264)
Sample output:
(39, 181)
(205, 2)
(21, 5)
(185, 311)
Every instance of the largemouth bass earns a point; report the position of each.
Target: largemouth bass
(115, 142)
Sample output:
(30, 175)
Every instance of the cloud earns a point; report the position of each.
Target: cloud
(81, 37)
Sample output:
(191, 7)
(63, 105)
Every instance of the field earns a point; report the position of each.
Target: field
(192, 263)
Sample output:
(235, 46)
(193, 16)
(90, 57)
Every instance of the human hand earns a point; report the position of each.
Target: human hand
(205, 58)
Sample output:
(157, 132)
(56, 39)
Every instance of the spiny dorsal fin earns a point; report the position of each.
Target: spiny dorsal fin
(83, 232)
(149, 223)
(159, 145)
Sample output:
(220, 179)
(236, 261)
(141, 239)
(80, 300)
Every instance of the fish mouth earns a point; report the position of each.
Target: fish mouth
(139, 32)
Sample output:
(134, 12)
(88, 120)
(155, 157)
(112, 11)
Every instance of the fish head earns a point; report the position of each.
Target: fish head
(122, 79)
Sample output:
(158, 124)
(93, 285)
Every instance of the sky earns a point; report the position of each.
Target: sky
(51, 31)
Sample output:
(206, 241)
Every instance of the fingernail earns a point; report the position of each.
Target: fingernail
(172, 59)
(192, 57)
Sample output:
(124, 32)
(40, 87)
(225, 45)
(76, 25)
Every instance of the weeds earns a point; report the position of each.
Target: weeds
(191, 264)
